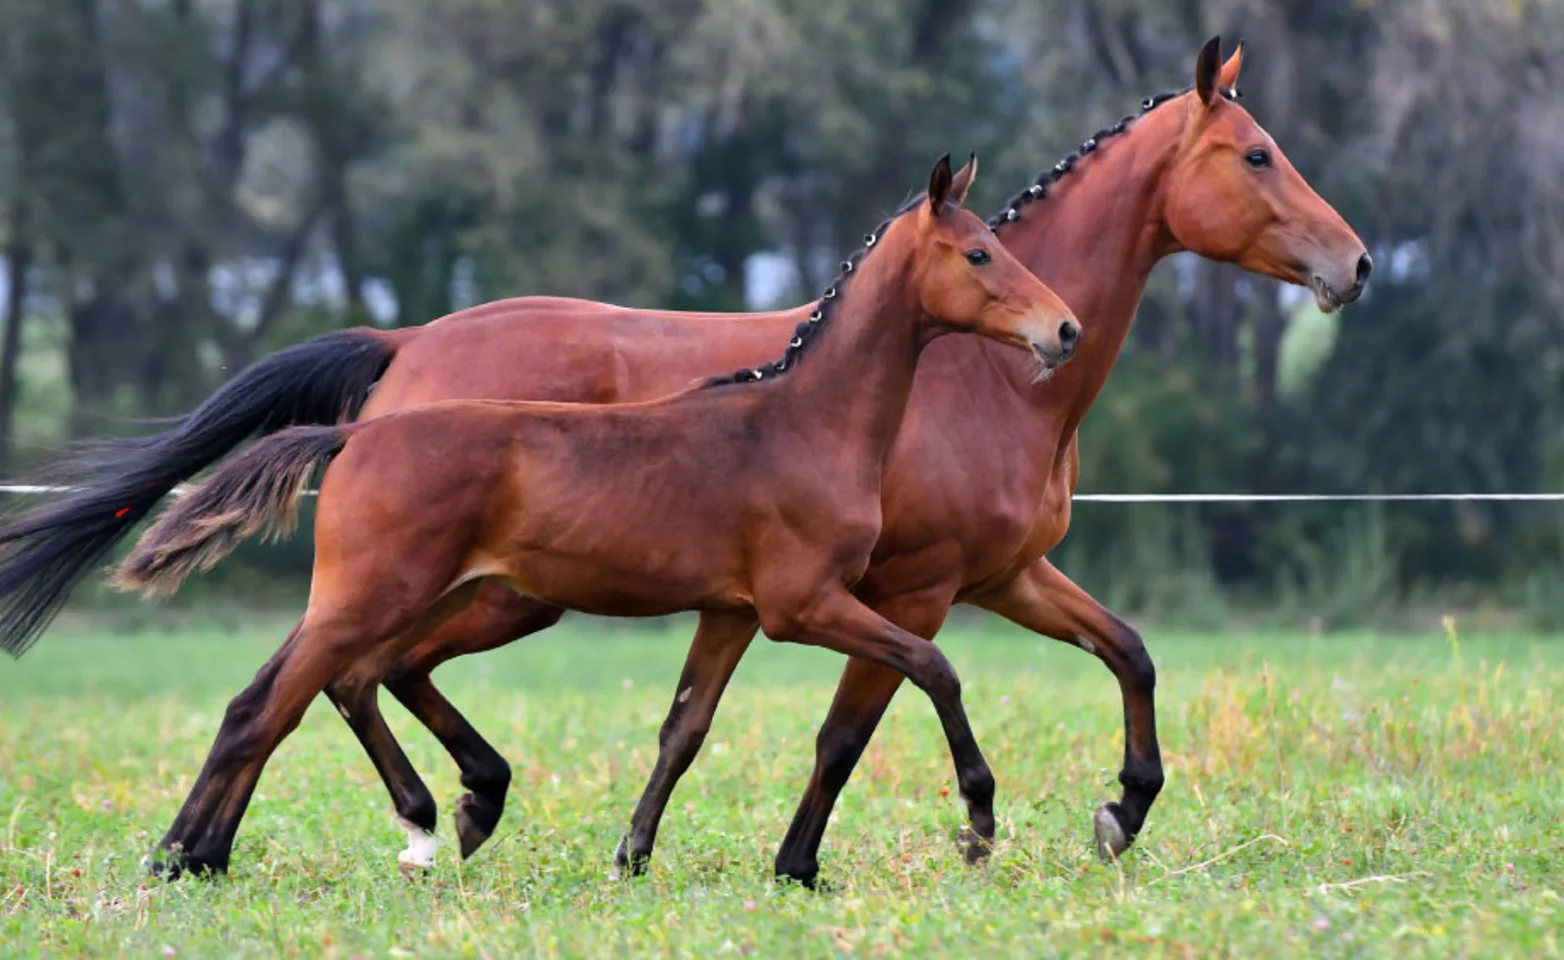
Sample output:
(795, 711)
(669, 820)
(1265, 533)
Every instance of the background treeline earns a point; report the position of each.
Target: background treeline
(186, 185)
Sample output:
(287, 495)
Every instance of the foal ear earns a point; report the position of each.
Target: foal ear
(1227, 78)
(1206, 67)
(963, 181)
(939, 185)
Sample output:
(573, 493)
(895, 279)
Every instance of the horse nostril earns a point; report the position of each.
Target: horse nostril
(1365, 267)
(1069, 334)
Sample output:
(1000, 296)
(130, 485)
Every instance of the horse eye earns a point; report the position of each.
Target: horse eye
(1259, 158)
(978, 257)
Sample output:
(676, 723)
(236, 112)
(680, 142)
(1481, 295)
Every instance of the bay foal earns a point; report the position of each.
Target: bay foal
(752, 496)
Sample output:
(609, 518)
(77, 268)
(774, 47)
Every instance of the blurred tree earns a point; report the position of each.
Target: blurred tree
(188, 184)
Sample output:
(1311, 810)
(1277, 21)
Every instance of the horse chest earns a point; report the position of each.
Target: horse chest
(1016, 532)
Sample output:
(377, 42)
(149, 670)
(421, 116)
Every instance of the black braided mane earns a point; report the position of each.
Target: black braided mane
(805, 331)
(1039, 188)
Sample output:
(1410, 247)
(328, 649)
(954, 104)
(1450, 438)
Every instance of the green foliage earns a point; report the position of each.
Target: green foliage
(1347, 578)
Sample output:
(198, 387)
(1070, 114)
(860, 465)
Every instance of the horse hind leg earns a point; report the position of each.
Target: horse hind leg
(187, 847)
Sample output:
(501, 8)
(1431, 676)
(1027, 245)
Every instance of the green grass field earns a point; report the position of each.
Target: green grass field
(1338, 796)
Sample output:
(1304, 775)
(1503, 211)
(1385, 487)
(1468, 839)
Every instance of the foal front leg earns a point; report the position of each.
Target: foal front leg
(1045, 601)
(862, 696)
(719, 644)
(838, 621)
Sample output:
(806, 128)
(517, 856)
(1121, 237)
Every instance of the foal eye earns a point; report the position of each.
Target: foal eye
(1259, 158)
(978, 257)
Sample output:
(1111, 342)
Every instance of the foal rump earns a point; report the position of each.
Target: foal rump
(257, 491)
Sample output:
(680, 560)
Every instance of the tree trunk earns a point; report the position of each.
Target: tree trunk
(19, 255)
(1270, 324)
(1215, 312)
(332, 127)
(72, 168)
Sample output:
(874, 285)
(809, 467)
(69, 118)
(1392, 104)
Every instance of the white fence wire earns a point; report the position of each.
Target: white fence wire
(1144, 497)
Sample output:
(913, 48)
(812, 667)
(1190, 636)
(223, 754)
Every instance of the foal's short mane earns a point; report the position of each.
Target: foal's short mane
(806, 331)
(1012, 211)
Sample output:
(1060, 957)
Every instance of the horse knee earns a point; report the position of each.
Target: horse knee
(1139, 670)
(932, 670)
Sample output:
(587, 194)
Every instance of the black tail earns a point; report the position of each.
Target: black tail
(320, 381)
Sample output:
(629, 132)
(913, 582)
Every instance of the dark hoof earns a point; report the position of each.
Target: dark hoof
(628, 865)
(974, 848)
(476, 819)
(808, 878)
(1110, 824)
(172, 863)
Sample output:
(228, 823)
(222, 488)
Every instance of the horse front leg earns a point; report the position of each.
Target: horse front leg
(862, 696)
(1045, 601)
(837, 620)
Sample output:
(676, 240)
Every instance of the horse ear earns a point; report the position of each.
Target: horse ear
(939, 185)
(1227, 78)
(963, 180)
(1206, 67)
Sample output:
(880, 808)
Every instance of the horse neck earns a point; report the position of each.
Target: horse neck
(853, 379)
(1095, 239)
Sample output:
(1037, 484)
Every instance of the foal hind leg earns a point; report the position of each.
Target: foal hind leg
(259, 718)
(719, 644)
(495, 618)
(1044, 600)
(354, 694)
(500, 617)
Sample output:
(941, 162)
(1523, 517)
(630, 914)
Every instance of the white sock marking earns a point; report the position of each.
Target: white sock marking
(421, 846)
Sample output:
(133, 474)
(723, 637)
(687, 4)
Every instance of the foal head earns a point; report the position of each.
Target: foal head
(1232, 195)
(966, 280)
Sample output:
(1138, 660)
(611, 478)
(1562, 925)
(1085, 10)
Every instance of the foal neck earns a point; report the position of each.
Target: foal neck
(852, 379)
